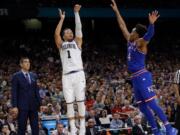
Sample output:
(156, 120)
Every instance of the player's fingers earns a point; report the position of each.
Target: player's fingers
(156, 12)
(113, 1)
(153, 12)
(60, 11)
(158, 16)
(64, 12)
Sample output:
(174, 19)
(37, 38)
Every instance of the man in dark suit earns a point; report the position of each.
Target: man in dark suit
(25, 98)
(91, 130)
(139, 128)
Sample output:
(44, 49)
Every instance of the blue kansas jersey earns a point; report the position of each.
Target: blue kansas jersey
(135, 58)
(141, 78)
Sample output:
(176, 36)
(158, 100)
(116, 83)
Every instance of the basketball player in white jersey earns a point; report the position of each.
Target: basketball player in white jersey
(73, 77)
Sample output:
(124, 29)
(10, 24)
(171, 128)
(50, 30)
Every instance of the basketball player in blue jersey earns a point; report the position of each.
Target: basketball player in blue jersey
(138, 40)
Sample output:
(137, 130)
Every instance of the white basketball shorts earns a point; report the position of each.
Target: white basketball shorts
(74, 86)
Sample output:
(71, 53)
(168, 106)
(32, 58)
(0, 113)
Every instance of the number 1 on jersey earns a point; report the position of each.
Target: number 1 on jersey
(69, 54)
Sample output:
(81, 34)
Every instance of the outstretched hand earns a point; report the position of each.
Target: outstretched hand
(153, 16)
(114, 5)
(61, 14)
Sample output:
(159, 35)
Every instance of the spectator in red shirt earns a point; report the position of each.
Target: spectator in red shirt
(116, 107)
(89, 102)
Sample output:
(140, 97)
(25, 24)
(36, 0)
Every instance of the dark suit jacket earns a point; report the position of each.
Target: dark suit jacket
(88, 132)
(177, 120)
(137, 130)
(98, 123)
(25, 96)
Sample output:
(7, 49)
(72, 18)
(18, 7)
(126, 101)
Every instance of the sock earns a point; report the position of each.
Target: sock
(81, 111)
(70, 114)
(157, 109)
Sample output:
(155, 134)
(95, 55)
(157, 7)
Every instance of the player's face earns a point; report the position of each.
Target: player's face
(68, 35)
(133, 35)
(25, 64)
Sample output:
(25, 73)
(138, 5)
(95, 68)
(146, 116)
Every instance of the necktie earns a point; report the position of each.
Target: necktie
(140, 126)
(27, 78)
(91, 130)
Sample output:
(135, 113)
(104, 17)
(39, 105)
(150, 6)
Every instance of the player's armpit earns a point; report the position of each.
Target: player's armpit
(142, 42)
(142, 45)
(79, 41)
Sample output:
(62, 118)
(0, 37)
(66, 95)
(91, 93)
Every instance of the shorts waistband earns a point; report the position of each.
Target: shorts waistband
(74, 71)
(135, 74)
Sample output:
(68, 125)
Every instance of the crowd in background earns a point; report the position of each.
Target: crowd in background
(109, 98)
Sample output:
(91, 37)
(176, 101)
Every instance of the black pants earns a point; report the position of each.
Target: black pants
(22, 122)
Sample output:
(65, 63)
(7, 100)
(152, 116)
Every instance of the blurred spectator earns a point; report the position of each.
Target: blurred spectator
(116, 123)
(127, 108)
(91, 130)
(89, 102)
(104, 119)
(60, 130)
(99, 103)
(92, 115)
(139, 128)
(6, 130)
(116, 107)
(41, 131)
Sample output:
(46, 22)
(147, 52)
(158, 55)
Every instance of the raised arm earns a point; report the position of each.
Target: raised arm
(150, 31)
(122, 24)
(57, 36)
(142, 42)
(78, 26)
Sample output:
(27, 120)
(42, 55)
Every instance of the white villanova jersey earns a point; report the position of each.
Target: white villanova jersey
(70, 55)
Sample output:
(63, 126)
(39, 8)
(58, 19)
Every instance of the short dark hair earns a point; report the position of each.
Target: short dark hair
(141, 29)
(65, 30)
(59, 123)
(22, 59)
